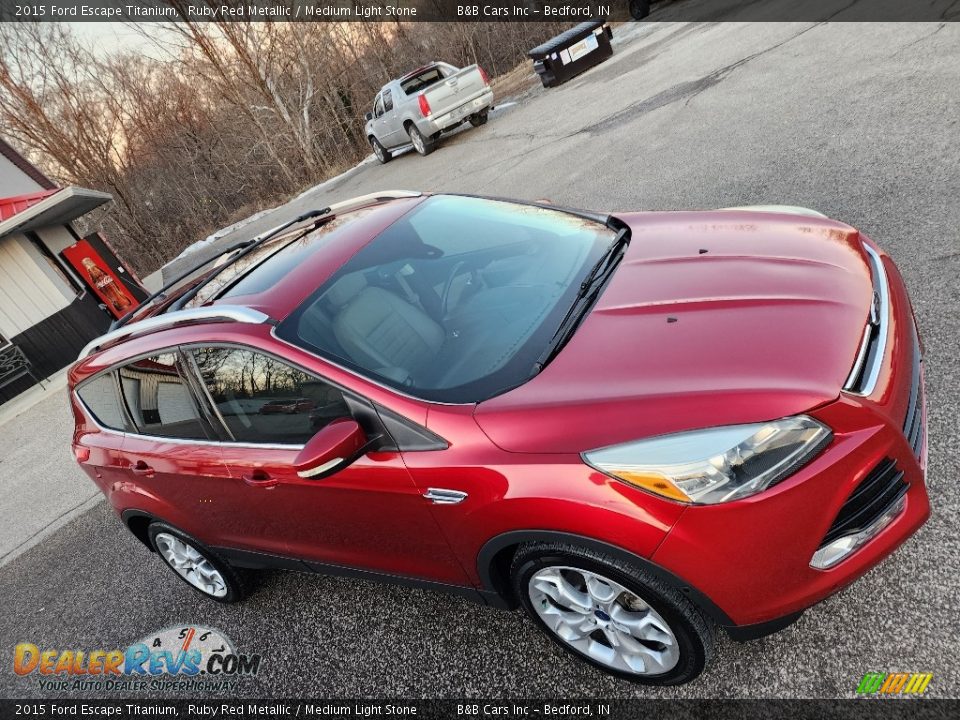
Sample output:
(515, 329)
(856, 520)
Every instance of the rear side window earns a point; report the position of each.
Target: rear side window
(101, 398)
(265, 401)
(422, 80)
(160, 400)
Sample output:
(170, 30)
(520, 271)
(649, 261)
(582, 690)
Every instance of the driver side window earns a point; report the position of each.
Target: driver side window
(378, 106)
(265, 401)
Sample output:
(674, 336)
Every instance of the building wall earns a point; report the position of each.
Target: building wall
(13, 181)
(55, 342)
(32, 288)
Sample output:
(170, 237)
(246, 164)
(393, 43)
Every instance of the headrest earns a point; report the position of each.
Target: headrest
(345, 289)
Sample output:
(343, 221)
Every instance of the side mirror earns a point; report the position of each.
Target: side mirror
(332, 449)
(368, 117)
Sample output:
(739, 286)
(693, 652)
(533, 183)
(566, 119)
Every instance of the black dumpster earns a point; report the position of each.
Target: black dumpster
(572, 52)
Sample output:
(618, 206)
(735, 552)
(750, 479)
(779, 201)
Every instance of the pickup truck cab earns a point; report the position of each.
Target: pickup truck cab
(416, 108)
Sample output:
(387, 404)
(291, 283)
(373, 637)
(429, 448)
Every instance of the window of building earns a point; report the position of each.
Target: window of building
(265, 401)
(69, 285)
(159, 398)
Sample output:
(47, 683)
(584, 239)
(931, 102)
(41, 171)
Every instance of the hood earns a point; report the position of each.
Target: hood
(711, 319)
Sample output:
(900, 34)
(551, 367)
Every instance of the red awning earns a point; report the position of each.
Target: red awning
(12, 205)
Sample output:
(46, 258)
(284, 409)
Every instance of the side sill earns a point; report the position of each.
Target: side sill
(745, 633)
(263, 561)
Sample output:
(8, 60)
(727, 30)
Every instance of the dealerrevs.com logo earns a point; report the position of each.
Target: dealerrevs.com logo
(174, 659)
(894, 684)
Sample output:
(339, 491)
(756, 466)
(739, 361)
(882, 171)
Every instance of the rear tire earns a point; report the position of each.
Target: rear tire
(639, 9)
(479, 118)
(197, 565)
(423, 145)
(382, 154)
(614, 615)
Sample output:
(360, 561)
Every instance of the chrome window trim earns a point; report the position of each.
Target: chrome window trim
(212, 313)
(181, 441)
(882, 291)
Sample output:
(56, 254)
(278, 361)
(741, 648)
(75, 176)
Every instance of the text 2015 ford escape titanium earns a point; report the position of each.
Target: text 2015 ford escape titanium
(638, 426)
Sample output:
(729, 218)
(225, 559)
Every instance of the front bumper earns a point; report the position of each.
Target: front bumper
(753, 557)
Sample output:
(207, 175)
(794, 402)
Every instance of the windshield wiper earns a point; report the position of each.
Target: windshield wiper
(589, 291)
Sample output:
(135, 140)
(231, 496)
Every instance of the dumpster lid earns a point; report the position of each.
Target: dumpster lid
(578, 32)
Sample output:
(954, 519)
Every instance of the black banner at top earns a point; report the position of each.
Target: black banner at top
(475, 10)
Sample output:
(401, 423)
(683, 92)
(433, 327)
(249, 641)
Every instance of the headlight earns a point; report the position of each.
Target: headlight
(715, 465)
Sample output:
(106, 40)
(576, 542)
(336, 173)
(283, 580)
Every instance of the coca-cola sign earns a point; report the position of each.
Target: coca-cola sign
(100, 278)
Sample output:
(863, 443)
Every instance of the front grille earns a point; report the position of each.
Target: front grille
(862, 379)
(872, 498)
(913, 422)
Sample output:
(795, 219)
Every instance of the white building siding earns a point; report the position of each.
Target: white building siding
(28, 293)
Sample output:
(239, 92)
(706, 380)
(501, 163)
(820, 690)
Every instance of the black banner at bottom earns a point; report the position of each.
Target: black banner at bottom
(855, 709)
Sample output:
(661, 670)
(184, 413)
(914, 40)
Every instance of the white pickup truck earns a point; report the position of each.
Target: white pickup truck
(416, 108)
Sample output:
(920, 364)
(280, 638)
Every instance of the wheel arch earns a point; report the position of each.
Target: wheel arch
(137, 522)
(494, 558)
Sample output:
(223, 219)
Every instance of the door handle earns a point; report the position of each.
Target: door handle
(141, 468)
(259, 479)
(442, 496)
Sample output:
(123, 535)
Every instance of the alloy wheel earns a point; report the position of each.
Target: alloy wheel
(603, 620)
(378, 150)
(191, 564)
(417, 139)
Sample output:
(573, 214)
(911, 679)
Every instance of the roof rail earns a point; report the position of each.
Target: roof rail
(212, 313)
(382, 195)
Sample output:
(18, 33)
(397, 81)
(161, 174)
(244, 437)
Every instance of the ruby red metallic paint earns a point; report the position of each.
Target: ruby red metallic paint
(748, 310)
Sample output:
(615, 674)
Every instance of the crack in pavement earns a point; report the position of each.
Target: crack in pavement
(922, 38)
(685, 90)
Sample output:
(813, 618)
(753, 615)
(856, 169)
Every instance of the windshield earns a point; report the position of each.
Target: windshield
(455, 301)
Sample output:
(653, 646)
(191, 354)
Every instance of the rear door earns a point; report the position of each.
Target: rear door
(368, 516)
(172, 456)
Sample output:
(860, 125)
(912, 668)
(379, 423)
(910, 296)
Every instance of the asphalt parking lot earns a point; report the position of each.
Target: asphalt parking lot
(859, 121)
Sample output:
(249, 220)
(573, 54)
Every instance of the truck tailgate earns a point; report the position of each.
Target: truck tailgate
(454, 90)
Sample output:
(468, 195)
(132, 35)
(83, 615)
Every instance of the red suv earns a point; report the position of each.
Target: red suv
(637, 426)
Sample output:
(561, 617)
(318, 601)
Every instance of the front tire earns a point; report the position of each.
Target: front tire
(423, 145)
(383, 155)
(197, 565)
(613, 615)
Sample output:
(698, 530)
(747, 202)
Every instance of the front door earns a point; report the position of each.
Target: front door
(368, 516)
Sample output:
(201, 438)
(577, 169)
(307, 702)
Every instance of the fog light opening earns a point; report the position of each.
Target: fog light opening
(841, 548)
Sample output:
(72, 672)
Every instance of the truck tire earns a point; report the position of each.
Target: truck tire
(639, 9)
(383, 155)
(423, 145)
(478, 119)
